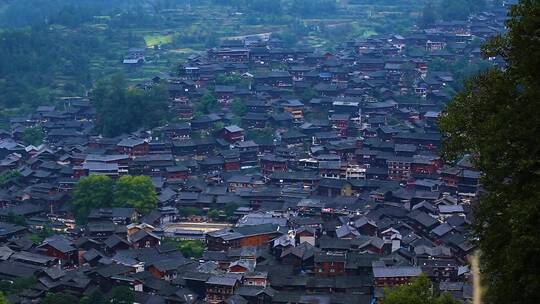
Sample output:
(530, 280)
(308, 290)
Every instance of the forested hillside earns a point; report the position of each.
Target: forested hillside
(60, 47)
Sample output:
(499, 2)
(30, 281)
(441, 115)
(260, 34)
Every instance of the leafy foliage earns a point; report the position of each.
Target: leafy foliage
(3, 299)
(9, 176)
(233, 79)
(207, 103)
(59, 298)
(309, 94)
(313, 7)
(429, 14)
(122, 110)
(122, 295)
(496, 120)
(97, 191)
(306, 8)
(16, 219)
(417, 292)
(238, 108)
(32, 57)
(230, 208)
(462, 69)
(135, 191)
(264, 134)
(196, 34)
(95, 297)
(189, 248)
(92, 192)
(32, 136)
(213, 214)
(38, 237)
(188, 211)
(459, 9)
(18, 285)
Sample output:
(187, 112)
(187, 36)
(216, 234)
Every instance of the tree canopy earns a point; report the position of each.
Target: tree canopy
(60, 298)
(9, 176)
(188, 248)
(207, 103)
(238, 107)
(450, 10)
(32, 136)
(419, 291)
(122, 295)
(459, 9)
(495, 120)
(3, 299)
(17, 285)
(32, 57)
(92, 192)
(135, 191)
(429, 15)
(96, 297)
(97, 191)
(122, 109)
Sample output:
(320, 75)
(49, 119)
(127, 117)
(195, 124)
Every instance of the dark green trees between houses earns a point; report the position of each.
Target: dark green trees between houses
(496, 119)
(97, 191)
(419, 291)
(450, 10)
(122, 109)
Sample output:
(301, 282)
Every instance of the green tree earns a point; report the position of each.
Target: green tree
(188, 248)
(495, 120)
(38, 237)
(409, 74)
(312, 7)
(238, 107)
(309, 94)
(34, 57)
(460, 9)
(59, 298)
(438, 64)
(95, 297)
(110, 100)
(22, 283)
(32, 136)
(224, 79)
(3, 299)
(137, 192)
(236, 120)
(188, 211)
(230, 208)
(207, 103)
(454, 9)
(218, 126)
(122, 295)
(16, 219)
(122, 109)
(263, 134)
(429, 14)
(155, 105)
(213, 214)
(10, 176)
(419, 291)
(94, 191)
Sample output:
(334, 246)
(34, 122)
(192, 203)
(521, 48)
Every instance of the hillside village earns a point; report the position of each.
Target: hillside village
(326, 187)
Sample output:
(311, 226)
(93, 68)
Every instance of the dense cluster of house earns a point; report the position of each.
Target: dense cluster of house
(348, 196)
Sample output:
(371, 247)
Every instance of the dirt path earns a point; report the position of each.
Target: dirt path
(477, 287)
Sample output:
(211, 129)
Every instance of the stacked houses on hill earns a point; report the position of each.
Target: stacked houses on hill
(328, 187)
